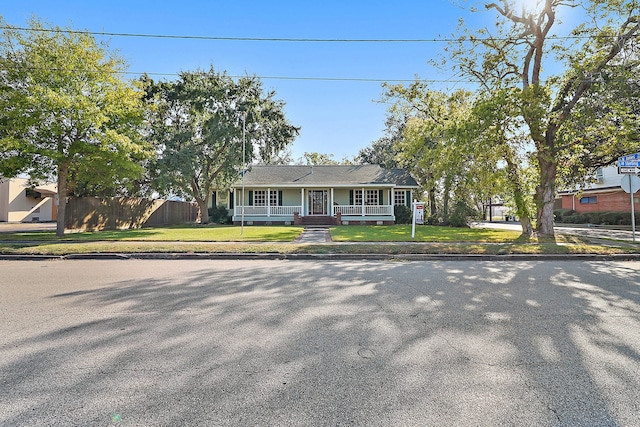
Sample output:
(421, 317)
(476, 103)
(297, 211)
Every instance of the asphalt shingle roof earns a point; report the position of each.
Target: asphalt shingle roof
(327, 175)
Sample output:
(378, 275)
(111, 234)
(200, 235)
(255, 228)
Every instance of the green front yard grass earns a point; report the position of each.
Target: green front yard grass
(424, 233)
(389, 240)
(205, 233)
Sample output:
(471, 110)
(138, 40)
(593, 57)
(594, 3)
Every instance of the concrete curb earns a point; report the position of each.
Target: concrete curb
(325, 257)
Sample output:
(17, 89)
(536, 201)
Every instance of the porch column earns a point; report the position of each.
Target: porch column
(363, 196)
(302, 202)
(268, 202)
(331, 203)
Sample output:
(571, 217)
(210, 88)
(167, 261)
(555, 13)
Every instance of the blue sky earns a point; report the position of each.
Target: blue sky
(336, 117)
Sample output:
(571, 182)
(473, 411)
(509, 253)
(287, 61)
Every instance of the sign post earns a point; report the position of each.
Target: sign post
(630, 166)
(418, 216)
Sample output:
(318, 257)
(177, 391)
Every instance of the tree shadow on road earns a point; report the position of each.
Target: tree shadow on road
(334, 343)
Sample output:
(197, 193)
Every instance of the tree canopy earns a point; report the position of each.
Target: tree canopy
(570, 115)
(66, 110)
(207, 127)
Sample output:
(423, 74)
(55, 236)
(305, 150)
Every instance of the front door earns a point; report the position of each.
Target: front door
(317, 202)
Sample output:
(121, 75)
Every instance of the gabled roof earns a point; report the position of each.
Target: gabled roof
(326, 175)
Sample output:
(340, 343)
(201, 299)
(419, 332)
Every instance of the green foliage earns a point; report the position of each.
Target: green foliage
(463, 148)
(568, 216)
(384, 151)
(561, 214)
(315, 158)
(462, 214)
(219, 214)
(577, 120)
(403, 214)
(67, 111)
(206, 127)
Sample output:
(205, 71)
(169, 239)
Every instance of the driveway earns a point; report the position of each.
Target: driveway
(305, 343)
(16, 227)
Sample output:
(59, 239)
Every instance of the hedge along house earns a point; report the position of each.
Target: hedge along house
(314, 195)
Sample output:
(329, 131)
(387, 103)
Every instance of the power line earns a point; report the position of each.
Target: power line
(269, 39)
(453, 79)
(313, 78)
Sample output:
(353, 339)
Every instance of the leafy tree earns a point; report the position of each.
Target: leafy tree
(497, 129)
(66, 110)
(315, 158)
(466, 146)
(199, 125)
(284, 157)
(383, 151)
(440, 148)
(556, 109)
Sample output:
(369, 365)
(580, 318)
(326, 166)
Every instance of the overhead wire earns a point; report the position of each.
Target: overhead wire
(269, 39)
(280, 39)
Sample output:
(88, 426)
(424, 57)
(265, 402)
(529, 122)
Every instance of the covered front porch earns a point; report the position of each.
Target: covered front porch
(291, 205)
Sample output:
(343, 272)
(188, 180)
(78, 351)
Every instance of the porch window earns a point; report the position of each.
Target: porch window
(273, 198)
(259, 198)
(358, 198)
(400, 198)
(371, 197)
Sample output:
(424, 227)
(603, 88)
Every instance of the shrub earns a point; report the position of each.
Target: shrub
(432, 220)
(562, 214)
(575, 219)
(403, 214)
(462, 215)
(219, 214)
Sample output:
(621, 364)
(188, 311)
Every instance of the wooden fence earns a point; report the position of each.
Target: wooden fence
(88, 213)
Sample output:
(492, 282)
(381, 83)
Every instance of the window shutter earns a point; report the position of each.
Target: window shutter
(351, 197)
(214, 199)
(380, 195)
(250, 198)
(279, 197)
(231, 201)
(408, 199)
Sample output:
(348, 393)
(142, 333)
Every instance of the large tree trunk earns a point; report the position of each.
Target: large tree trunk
(203, 207)
(545, 194)
(63, 173)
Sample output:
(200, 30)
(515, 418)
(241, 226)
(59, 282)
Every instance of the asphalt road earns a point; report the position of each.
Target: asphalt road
(165, 343)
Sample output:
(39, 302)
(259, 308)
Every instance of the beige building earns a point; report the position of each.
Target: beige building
(21, 203)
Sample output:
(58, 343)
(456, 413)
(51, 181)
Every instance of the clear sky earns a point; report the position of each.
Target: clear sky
(337, 117)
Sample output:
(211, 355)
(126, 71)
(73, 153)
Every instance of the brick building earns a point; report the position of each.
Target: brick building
(605, 195)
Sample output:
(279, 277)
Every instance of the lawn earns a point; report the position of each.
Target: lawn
(169, 234)
(424, 233)
(388, 240)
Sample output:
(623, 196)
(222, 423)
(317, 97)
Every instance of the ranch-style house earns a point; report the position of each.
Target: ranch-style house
(321, 194)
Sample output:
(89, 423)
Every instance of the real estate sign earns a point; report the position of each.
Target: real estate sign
(418, 216)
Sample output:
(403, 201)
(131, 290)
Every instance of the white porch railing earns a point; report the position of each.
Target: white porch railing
(369, 210)
(267, 211)
(346, 210)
